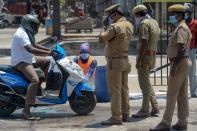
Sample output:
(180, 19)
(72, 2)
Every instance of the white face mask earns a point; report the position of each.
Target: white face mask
(187, 16)
(138, 20)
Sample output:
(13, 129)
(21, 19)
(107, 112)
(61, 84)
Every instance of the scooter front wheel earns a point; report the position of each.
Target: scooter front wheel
(82, 105)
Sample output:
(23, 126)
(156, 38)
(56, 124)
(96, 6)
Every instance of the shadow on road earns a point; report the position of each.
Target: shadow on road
(136, 119)
(96, 125)
(43, 116)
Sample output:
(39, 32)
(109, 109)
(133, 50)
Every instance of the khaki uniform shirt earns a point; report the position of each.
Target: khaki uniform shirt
(150, 31)
(117, 38)
(181, 35)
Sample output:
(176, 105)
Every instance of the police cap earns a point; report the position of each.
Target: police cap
(112, 8)
(177, 8)
(139, 8)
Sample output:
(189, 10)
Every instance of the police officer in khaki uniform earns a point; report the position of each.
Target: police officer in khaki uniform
(178, 54)
(149, 33)
(117, 38)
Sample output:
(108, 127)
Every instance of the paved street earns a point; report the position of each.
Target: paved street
(61, 117)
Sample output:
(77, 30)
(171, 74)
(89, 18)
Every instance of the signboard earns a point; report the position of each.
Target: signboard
(167, 0)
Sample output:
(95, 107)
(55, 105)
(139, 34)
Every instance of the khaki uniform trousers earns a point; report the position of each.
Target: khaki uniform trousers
(147, 89)
(29, 72)
(117, 81)
(178, 92)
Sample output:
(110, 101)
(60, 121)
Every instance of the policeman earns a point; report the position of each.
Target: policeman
(117, 38)
(178, 54)
(149, 33)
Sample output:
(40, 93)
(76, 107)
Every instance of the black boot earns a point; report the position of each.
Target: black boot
(125, 117)
(141, 114)
(111, 121)
(179, 127)
(161, 127)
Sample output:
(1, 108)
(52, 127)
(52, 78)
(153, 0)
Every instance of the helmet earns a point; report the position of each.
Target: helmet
(84, 48)
(177, 8)
(30, 23)
(138, 9)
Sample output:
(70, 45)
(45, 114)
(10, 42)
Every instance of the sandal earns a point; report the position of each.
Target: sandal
(29, 116)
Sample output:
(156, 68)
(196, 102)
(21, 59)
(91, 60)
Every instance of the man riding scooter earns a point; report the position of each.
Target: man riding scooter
(86, 61)
(27, 55)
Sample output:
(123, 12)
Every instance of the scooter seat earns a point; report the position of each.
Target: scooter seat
(12, 70)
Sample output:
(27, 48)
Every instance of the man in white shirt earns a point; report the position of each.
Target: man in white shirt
(22, 58)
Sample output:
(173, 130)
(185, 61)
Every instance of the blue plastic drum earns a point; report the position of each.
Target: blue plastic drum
(101, 85)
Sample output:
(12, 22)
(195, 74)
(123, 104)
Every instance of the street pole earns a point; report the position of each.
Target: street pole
(56, 19)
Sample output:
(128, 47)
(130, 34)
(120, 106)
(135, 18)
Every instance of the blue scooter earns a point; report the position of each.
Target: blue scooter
(64, 84)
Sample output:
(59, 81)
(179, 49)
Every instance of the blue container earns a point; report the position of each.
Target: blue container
(101, 85)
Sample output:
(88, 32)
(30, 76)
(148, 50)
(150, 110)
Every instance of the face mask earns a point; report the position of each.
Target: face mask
(84, 56)
(110, 21)
(138, 20)
(187, 16)
(173, 19)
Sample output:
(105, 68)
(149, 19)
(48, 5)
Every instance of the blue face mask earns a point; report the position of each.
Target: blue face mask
(110, 20)
(84, 56)
(173, 19)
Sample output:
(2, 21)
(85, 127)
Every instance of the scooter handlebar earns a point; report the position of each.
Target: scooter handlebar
(54, 54)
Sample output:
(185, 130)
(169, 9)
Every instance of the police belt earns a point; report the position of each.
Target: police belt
(116, 57)
(148, 52)
(173, 59)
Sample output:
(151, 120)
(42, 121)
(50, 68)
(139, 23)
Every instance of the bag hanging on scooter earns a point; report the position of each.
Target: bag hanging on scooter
(54, 78)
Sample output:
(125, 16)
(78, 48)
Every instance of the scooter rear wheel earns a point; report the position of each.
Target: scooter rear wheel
(6, 109)
(82, 105)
